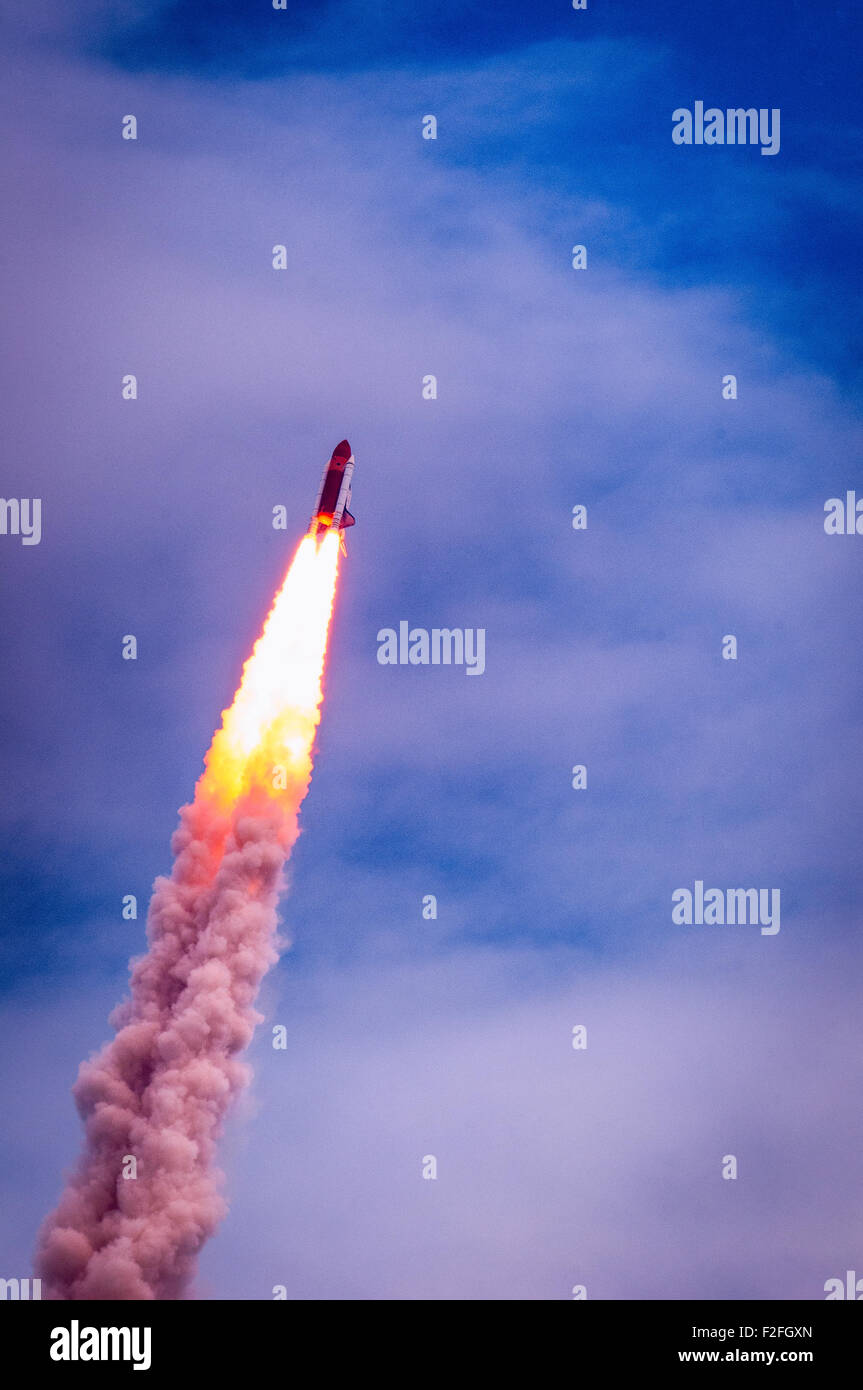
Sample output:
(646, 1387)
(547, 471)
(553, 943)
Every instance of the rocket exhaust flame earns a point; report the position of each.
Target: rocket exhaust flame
(153, 1101)
(275, 712)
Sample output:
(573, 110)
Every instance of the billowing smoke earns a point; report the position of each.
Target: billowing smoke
(146, 1193)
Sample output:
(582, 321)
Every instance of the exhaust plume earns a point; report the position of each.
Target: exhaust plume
(154, 1100)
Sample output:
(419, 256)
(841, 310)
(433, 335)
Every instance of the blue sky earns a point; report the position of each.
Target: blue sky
(792, 58)
(555, 387)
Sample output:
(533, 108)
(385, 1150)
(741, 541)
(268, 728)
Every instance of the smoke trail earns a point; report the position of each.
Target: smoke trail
(159, 1092)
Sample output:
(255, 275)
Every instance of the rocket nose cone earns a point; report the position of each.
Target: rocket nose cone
(342, 451)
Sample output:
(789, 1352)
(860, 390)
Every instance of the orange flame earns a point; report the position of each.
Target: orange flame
(265, 742)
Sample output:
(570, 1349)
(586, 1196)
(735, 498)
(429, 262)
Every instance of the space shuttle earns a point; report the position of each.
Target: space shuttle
(331, 508)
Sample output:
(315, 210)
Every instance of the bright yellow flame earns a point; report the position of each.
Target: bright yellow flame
(265, 742)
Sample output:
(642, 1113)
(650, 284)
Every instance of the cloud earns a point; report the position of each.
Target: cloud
(555, 1167)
